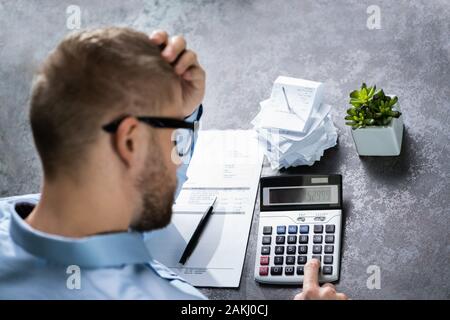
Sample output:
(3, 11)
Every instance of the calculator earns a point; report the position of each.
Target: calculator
(300, 219)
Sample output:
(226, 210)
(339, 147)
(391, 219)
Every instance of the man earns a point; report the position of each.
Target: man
(106, 107)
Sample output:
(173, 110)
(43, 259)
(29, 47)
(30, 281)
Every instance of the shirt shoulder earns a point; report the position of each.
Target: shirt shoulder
(21, 271)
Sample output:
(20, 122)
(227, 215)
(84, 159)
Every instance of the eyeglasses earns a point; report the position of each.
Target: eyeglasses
(183, 136)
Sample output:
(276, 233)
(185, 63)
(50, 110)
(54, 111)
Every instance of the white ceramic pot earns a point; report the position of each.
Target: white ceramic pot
(380, 140)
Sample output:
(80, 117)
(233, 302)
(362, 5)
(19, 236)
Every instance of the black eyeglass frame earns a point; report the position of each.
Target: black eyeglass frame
(156, 122)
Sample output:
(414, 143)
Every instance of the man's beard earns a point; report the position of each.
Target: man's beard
(157, 194)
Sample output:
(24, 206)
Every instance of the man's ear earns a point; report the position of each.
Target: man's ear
(126, 140)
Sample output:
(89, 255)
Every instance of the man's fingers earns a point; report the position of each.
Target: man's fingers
(311, 278)
(194, 73)
(325, 285)
(174, 47)
(185, 61)
(299, 296)
(159, 37)
(341, 296)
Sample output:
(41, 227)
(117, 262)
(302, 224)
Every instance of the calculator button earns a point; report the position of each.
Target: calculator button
(291, 239)
(317, 257)
(289, 271)
(290, 260)
(267, 230)
(276, 271)
(265, 250)
(280, 239)
(318, 228)
(329, 228)
(263, 271)
(267, 240)
(328, 259)
(279, 250)
(317, 249)
(317, 239)
(302, 249)
(300, 270)
(290, 249)
(329, 238)
(303, 239)
(281, 229)
(301, 259)
(329, 249)
(264, 261)
(278, 260)
(292, 229)
(304, 229)
(327, 270)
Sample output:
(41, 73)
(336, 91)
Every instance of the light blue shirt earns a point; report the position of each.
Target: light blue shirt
(37, 265)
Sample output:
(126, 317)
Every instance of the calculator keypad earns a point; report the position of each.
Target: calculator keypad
(291, 248)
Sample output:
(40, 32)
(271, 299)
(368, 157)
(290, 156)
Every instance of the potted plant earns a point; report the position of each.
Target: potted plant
(376, 121)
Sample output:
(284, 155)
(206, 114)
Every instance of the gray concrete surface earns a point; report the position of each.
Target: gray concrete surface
(396, 208)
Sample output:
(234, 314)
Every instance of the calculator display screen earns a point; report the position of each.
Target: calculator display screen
(303, 195)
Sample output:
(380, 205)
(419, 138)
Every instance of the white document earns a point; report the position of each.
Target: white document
(226, 164)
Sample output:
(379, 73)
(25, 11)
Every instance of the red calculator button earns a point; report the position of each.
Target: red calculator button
(264, 261)
(263, 271)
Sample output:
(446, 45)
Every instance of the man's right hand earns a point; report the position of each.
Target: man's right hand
(311, 288)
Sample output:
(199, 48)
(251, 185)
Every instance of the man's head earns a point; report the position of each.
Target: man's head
(92, 78)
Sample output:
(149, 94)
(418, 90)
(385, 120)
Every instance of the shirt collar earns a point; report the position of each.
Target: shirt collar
(99, 251)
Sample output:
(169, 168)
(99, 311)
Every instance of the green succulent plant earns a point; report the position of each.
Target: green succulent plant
(370, 107)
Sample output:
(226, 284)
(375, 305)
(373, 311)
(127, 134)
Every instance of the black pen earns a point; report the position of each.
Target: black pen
(286, 99)
(197, 233)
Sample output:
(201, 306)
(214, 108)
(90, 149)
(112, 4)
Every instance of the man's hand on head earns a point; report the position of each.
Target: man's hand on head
(311, 288)
(186, 66)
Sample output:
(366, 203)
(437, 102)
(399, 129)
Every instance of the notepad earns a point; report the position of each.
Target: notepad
(298, 96)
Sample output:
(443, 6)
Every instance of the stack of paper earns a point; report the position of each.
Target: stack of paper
(294, 126)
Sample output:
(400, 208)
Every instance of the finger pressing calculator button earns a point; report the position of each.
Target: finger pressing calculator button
(267, 230)
(300, 270)
(263, 271)
(318, 228)
(304, 229)
(292, 229)
(329, 249)
(302, 249)
(281, 229)
(290, 250)
(317, 249)
(317, 257)
(291, 239)
(278, 260)
(301, 259)
(264, 260)
(329, 238)
(267, 240)
(317, 239)
(327, 270)
(303, 239)
(265, 250)
(329, 228)
(280, 239)
(289, 271)
(276, 271)
(279, 250)
(290, 260)
(328, 259)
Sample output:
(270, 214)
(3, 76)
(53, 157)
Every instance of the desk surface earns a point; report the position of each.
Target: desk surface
(396, 208)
